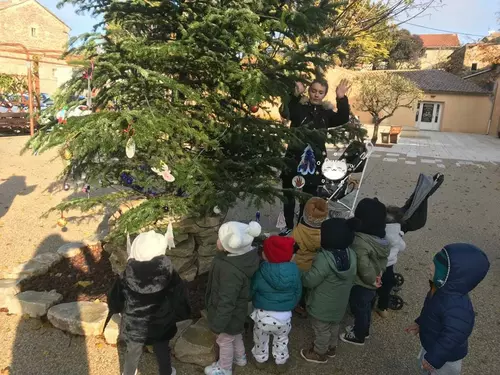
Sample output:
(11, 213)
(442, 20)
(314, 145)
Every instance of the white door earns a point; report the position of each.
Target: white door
(429, 115)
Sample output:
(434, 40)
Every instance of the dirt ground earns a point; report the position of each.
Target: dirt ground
(465, 209)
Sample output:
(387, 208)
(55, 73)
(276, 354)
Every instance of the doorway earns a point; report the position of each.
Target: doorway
(428, 116)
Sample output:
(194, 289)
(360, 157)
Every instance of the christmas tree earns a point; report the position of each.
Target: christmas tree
(177, 84)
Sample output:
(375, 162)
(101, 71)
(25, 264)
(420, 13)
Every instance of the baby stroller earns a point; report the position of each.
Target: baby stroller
(337, 186)
(414, 218)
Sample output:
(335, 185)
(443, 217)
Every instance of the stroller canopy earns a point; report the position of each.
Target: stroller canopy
(415, 208)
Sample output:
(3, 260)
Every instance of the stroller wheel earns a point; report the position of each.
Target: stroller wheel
(396, 302)
(400, 280)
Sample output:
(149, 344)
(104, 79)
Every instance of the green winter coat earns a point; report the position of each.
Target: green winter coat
(228, 291)
(329, 288)
(372, 253)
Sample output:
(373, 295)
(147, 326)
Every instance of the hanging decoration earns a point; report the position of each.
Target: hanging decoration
(169, 236)
(62, 222)
(217, 210)
(61, 115)
(257, 216)
(66, 186)
(164, 172)
(86, 189)
(307, 164)
(281, 223)
(130, 148)
(298, 182)
(67, 154)
(254, 108)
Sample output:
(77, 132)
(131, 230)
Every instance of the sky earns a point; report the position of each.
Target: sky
(476, 17)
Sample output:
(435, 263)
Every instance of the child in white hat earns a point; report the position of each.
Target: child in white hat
(151, 297)
(228, 292)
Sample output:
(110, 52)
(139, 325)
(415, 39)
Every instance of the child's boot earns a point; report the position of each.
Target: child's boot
(241, 361)
(311, 356)
(283, 368)
(215, 369)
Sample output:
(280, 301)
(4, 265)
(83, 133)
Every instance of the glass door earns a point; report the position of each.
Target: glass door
(429, 116)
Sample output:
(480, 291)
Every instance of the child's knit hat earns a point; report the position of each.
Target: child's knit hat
(336, 233)
(147, 246)
(372, 214)
(315, 212)
(441, 268)
(279, 249)
(236, 238)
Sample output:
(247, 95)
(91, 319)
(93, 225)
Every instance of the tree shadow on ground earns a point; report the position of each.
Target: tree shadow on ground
(10, 189)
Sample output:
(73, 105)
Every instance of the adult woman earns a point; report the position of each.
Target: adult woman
(305, 156)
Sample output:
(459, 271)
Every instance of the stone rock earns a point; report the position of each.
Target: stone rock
(71, 249)
(196, 345)
(112, 330)
(184, 249)
(198, 225)
(8, 289)
(29, 269)
(204, 314)
(204, 238)
(48, 258)
(95, 240)
(181, 327)
(182, 264)
(118, 257)
(79, 318)
(34, 304)
(190, 274)
(204, 264)
(207, 250)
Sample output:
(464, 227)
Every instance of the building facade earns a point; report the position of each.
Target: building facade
(438, 47)
(28, 23)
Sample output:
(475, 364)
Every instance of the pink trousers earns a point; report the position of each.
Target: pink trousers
(231, 348)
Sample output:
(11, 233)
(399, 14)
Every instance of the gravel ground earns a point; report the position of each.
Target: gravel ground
(464, 209)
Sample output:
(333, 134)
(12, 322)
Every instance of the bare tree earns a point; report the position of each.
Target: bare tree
(382, 93)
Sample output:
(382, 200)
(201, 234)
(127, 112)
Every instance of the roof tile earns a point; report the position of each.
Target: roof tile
(440, 40)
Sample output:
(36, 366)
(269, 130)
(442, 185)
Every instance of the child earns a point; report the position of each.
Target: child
(307, 234)
(276, 290)
(151, 298)
(372, 251)
(394, 236)
(330, 280)
(447, 318)
(228, 292)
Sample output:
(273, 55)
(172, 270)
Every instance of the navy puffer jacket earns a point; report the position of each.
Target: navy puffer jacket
(447, 318)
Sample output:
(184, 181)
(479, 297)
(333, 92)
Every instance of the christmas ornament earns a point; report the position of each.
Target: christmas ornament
(130, 148)
(307, 164)
(62, 222)
(164, 172)
(298, 182)
(67, 154)
(61, 116)
(254, 108)
(334, 169)
(166, 208)
(86, 188)
(217, 210)
(281, 223)
(66, 186)
(170, 237)
(257, 216)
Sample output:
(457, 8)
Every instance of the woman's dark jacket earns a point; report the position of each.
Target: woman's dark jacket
(151, 298)
(314, 117)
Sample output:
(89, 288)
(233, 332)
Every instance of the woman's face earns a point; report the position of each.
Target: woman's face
(317, 93)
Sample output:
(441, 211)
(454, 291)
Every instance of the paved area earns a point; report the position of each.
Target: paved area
(437, 146)
(465, 208)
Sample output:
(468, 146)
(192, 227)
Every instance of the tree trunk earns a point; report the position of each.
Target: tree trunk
(375, 132)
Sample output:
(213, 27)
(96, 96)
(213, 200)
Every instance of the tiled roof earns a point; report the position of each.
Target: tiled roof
(440, 40)
(441, 81)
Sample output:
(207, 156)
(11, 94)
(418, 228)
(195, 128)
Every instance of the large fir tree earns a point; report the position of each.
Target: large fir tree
(179, 80)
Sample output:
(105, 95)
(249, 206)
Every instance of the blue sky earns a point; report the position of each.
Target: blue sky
(466, 16)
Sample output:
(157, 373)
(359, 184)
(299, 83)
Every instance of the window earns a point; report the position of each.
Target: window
(33, 32)
(474, 66)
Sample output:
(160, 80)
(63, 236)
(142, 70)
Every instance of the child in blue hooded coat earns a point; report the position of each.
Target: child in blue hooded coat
(276, 290)
(447, 318)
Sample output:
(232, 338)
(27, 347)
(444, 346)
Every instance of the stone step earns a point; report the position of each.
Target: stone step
(8, 289)
(34, 304)
(79, 318)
